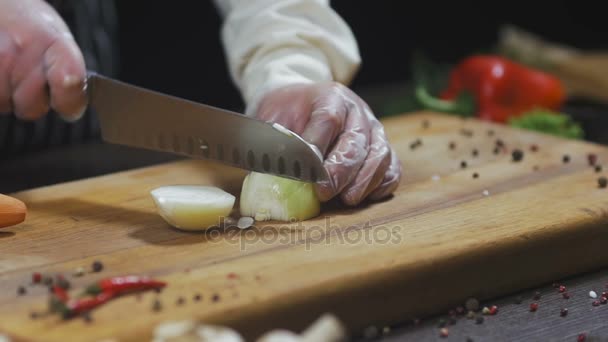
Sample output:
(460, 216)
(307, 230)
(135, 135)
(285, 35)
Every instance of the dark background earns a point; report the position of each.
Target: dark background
(176, 48)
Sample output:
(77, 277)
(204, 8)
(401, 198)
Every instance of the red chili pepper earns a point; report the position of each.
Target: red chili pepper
(501, 88)
(82, 305)
(120, 285)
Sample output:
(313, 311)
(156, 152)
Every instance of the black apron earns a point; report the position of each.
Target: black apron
(94, 26)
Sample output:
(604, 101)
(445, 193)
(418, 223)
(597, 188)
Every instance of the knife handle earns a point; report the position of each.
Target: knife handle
(12, 211)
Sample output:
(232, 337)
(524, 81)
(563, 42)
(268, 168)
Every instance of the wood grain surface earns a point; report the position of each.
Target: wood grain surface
(443, 236)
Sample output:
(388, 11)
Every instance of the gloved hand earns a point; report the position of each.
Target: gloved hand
(40, 63)
(357, 155)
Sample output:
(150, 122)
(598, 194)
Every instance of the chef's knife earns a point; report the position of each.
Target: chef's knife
(142, 118)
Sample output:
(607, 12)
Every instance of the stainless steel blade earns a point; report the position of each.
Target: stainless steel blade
(141, 118)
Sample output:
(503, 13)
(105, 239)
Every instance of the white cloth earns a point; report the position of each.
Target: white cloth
(273, 43)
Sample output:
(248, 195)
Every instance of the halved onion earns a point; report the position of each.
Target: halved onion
(193, 207)
(267, 197)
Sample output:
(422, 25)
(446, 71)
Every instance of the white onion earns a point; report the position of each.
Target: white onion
(192, 207)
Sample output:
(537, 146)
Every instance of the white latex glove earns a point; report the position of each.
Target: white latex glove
(357, 154)
(41, 67)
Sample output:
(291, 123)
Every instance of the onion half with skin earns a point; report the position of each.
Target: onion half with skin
(193, 207)
(267, 197)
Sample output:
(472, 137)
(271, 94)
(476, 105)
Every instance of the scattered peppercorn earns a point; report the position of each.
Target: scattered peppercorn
(452, 145)
(157, 306)
(493, 310)
(444, 332)
(581, 337)
(180, 301)
(475, 153)
(475, 175)
(561, 289)
(232, 275)
(466, 132)
(79, 272)
(425, 124)
(563, 312)
(602, 182)
(479, 319)
(463, 164)
(566, 295)
(598, 168)
(485, 310)
(592, 159)
(197, 297)
(517, 155)
(533, 307)
(36, 277)
(596, 303)
(87, 317)
(48, 281)
(499, 143)
(215, 297)
(534, 148)
(536, 296)
(535, 168)
(470, 315)
(566, 159)
(34, 315)
(603, 300)
(21, 290)
(604, 294)
(97, 266)
(496, 150)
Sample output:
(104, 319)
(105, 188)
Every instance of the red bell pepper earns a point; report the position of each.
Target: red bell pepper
(501, 88)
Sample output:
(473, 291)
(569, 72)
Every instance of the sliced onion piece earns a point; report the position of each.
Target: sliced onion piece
(193, 207)
(267, 197)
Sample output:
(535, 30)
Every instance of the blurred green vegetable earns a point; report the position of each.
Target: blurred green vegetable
(545, 121)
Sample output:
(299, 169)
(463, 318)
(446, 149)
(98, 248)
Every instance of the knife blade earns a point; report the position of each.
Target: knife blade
(141, 118)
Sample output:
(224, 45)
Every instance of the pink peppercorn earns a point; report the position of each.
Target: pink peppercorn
(562, 289)
(444, 332)
(533, 307)
(232, 275)
(596, 303)
(592, 158)
(493, 310)
(36, 278)
(603, 300)
(566, 295)
(581, 337)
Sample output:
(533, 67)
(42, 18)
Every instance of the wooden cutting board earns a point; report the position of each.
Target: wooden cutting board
(443, 237)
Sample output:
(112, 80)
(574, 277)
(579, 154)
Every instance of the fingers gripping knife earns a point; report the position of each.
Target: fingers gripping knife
(142, 118)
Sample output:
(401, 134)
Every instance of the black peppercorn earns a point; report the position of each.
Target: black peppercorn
(602, 182)
(598, 168)
(499, 143)
(517, 155)
(566, 159)
(563, 312)
(97, 266)
(215, 298)
(463, 164)
(21, 290)
(475, 153)
(475, 175)
(452, 145)
(197, 297)
(180, 301)
(157, 306)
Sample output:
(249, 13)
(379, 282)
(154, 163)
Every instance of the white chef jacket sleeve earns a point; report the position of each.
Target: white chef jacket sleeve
(273, 43)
